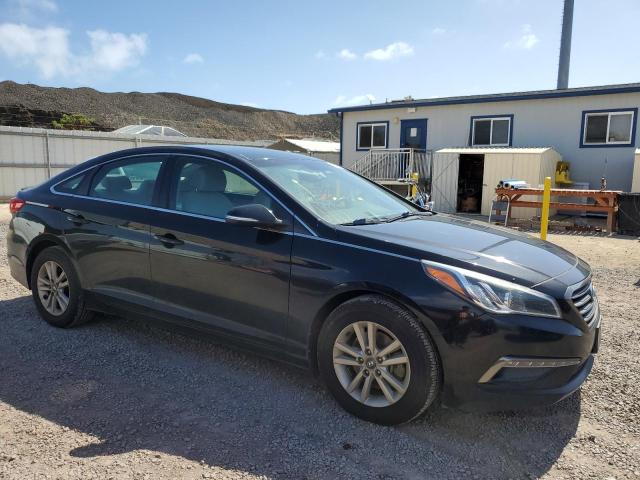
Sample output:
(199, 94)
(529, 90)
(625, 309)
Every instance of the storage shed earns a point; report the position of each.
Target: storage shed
(329, 151)
(464, 179)
(635, 184)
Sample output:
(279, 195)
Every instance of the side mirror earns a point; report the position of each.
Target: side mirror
(253, 215)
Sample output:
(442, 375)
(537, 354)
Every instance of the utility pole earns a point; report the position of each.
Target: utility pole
(565, 45)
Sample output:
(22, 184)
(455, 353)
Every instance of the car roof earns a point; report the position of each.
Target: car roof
(242, 153)
(253, 153)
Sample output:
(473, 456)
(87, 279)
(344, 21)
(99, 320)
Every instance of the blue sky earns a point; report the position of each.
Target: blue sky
(308, 57)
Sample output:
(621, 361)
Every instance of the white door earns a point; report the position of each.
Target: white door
(444, 182)
(497, 166)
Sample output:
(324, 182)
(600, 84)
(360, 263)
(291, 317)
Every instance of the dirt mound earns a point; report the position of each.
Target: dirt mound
(198, 117)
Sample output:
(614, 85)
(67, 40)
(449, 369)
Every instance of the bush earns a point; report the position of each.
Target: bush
(73, 121)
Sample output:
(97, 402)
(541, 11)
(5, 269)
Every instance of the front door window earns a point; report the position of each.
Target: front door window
(209, 188)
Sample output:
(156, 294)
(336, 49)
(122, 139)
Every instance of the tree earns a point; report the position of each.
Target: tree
(73, 121)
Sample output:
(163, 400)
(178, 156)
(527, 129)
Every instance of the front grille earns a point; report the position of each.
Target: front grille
(584, 299)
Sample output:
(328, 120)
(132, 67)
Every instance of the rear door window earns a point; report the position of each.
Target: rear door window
(130, 181)
(72, 185)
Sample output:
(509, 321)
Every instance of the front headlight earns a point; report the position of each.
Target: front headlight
(492, 294)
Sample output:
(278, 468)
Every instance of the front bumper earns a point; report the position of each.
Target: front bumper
(518, 363)
(505, 396)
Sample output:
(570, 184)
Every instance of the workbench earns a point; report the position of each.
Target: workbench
(606, 201)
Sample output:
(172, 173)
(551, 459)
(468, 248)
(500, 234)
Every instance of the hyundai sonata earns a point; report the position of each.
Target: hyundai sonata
(397, 308)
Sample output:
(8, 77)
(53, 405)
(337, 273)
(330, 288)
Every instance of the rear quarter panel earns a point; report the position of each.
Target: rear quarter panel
(28, 229)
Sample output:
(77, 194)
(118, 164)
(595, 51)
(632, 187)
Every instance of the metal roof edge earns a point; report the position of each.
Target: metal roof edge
(498, 97)
(494, 150)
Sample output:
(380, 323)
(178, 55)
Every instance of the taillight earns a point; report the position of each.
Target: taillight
(15, 204)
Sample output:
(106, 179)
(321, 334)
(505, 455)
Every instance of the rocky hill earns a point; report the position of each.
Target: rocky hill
(34, 106)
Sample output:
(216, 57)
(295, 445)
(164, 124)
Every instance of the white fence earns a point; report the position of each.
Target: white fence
(394, 164)
(29, 156)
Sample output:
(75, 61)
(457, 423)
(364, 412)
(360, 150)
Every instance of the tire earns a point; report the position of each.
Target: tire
(75, 312)
(418, 376)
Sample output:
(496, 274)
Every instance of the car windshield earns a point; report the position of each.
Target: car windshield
(334, 194)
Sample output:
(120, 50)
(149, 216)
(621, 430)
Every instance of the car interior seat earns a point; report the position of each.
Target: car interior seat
(144, 193)
(115, 188)
(208, 197)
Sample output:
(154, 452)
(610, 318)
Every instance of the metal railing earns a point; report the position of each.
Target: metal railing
(394, 164)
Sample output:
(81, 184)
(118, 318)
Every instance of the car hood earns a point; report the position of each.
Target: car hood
(479, 246)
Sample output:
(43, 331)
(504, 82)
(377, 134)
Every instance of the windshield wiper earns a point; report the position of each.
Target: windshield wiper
(406, 215)
(374, 220)
(363, 221)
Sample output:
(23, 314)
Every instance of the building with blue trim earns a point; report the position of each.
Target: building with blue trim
(594, 128)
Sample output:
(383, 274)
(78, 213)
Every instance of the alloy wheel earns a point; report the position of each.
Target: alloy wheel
(53, 288)
(371, 364)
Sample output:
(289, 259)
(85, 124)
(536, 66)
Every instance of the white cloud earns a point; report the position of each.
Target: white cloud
(48, 50)
(343, 100)
(320, 54)
(193, 58)
(346, 54)
(438, 31)
(115, 51)
(526, 41)
(393, 50)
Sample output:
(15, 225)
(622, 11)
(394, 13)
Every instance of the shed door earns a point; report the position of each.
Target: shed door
(444, 185)
(635, 184)
(496, 167)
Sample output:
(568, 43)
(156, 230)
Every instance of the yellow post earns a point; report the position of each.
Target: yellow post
(546, 199)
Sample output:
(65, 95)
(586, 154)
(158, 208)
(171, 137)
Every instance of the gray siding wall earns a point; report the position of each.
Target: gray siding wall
(537, 123)
(29, 156)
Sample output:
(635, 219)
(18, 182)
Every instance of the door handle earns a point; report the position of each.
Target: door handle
(76, 218)
(168, 240)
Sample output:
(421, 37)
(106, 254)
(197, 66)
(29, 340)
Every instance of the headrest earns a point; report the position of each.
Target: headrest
(211, 178)
(188, 183)
(118, 183)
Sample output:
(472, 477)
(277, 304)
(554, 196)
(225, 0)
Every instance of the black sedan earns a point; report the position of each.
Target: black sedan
(396, 308)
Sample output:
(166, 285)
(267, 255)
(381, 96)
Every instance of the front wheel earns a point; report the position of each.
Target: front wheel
(378, 361)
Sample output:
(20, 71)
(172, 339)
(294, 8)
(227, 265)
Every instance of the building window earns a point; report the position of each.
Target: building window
(603, 128)
(494, 131)
(372, 135)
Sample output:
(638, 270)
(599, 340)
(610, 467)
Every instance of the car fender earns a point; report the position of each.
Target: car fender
(346, 291)
(35, 247)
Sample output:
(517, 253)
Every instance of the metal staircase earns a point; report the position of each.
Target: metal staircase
(394, 166)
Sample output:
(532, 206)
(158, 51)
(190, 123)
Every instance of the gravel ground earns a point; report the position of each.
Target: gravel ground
(122, 399)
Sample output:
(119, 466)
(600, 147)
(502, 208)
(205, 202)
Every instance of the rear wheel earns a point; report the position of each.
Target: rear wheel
(56, 289)
(378, 361)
